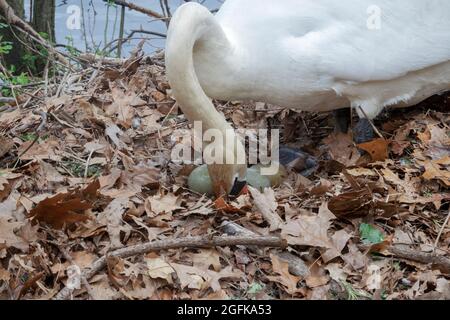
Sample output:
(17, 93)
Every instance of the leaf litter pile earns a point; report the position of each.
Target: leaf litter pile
(93, 207)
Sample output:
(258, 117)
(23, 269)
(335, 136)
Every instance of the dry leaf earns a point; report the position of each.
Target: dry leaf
(66, 208)
(287, 280)
(8, 236)
(112, 218)
(267, 205)
(206, 258)
(159, 268)
(433, 171)
(377, 149)
(309, 230)
(160, 204)
(342, 148)
(6, 144)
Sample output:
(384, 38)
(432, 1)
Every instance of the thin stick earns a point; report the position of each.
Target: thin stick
(121, 32)
(7, 100)
(441, 231)
(371, 123)
(441, 262)
(188, 242)
(87, 163)
(38, 130)
(261, 203)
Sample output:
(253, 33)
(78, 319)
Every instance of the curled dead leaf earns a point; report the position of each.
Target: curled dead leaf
(66, 208)
(377, 149)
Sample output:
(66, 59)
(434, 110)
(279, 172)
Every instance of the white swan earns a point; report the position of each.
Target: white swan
(314, 55)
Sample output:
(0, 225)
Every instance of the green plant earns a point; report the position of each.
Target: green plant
(21, 79)
(369, 234)
(5, 46)
(77, 169)
(28, 137)
(32, 60)
(71, 46)
(354, 294)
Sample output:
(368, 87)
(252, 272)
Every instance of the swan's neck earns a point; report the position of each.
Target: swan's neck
(194, 30)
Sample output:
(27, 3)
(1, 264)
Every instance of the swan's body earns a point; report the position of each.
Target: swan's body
(314, 55)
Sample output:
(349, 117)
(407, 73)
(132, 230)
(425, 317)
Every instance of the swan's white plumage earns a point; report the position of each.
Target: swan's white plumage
(314, 55)
(319, 55)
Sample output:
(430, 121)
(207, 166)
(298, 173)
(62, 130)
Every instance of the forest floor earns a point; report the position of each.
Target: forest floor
(92, 207)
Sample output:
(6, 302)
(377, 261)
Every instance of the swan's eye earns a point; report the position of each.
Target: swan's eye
(238, 185)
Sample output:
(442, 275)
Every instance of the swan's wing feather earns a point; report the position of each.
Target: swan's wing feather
(336, 39)
(412, 35)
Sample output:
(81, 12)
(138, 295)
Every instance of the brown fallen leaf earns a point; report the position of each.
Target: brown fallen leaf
(205, 258)
(7, 118)
(359, 172)
(355, 257)
(159, 268)
(267, 205)
(377, 149)
(287, 280)
(339, 240)
(112, 218)
(197, 278)
(222, 205)
(6, 144)
(317, 277)
(122, 109)
(436, 141)
(342, 148)
(160, 204)
(433, 171)
(8, 236)
(39, 151)
(190, 277)
(141, 175)
(351, 204)
(226, 273)
(5, 188)
(5, 275)
(66, 208)
(309, 230)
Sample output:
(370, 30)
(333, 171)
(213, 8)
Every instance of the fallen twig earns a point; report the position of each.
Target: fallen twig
(7, 100)
(296, 265)
(371, 123)
(444, 225)
(264, 203)
(86, 169)
(188, 242)
(441, 262)
(38, 130)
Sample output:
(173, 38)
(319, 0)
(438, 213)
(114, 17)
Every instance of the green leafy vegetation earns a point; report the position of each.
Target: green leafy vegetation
(77, 169)
(369, 234)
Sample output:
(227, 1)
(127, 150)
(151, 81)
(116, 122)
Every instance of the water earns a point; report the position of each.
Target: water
(101, 25)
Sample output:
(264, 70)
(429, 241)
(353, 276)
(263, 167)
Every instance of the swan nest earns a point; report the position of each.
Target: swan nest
(98, 175)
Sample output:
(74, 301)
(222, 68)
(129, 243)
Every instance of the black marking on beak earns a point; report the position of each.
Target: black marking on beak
(237, 187)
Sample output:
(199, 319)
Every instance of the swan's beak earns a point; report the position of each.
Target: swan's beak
(238, 185)
(227, 179)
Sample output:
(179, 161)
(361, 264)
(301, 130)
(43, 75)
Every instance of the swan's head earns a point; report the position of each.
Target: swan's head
(227, 165)
(193, 24)
(227, 179)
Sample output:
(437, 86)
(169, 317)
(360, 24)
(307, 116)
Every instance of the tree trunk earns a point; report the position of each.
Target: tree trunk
(43, 19)
(14, 58)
